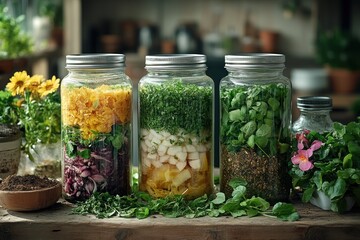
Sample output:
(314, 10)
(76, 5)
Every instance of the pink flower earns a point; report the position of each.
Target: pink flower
(316, 144)
(302, 159)
(302, 140)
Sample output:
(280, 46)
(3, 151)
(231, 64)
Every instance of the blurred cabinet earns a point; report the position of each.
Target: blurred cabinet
(44, 63)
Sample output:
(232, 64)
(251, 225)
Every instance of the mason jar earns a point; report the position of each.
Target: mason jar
(96, 126)
(314, 114)
(176, 102)
(255, 125)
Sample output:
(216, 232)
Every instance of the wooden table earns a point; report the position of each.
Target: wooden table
(57, 222)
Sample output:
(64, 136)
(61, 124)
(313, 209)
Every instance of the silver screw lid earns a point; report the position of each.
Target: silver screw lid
(94, 61)
(175, 61)
(254, 60)
(314, 103)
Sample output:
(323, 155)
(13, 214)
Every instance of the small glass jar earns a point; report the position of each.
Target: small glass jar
(255, 124)
(314, 114)
(176, 126)
(96, 126)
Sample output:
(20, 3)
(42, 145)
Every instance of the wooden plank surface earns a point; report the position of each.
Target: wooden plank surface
(57, 222)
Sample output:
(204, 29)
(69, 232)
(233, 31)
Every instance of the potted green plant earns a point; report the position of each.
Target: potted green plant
(14, 43)
(33, 104)
(339, 52)
(327, 166)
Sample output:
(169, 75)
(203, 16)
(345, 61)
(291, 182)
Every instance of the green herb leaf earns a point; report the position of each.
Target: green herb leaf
(285, 211)
(86, 153)
(307, 194)
(220, 198)
(236, 182)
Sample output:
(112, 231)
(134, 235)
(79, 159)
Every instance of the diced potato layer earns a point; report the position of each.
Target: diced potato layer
(175, 164)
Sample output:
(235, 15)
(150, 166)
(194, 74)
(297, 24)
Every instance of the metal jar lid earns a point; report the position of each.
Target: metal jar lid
(175, 61)
(95, 61)
(254, 60)
(314, 103)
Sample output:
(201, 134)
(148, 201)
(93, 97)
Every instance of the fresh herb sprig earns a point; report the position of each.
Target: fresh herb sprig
(259, 112)
(142, 205)
(175, 105)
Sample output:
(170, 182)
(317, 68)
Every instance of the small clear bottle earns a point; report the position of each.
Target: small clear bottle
(96, 126)
(255, 125)
(314, 114)
(176, 102)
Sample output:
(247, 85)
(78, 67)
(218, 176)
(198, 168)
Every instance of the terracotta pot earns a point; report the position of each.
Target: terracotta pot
(268, 41)
(344, 81)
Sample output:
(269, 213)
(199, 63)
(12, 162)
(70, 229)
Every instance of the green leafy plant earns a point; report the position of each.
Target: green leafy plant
(33, 104)
(338, 49)
(142, 205)
(13, 42)
(328, 162)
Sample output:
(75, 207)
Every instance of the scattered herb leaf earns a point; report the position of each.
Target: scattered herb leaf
(141, 205)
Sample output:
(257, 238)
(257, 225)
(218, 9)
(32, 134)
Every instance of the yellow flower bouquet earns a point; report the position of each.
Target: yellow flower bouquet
(33, 104)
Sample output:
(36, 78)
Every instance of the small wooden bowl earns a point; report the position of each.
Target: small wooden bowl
(24, 201)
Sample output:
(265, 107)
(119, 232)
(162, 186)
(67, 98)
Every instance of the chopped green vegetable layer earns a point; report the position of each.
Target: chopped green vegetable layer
(175, 105)
(256, 117)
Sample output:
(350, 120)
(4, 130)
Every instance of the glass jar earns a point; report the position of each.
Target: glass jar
(96, 126)
(314, 114)
(255, 122)
(176, 126)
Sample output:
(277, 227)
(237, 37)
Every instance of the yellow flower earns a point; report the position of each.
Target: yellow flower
(49, 86)
(17, 83)
(33, 84)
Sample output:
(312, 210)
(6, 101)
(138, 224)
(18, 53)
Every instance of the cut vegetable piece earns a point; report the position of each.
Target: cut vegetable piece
(148, 143)
(190, 148)
(162, 149)
(193, 155)
(166, 143)
(180, 165)
(156, 135)
(181, 156)
(173, 150)
(195, 164)
(173, 160)
(156, 164)
(203, 162)
(181, 178)
(164, 158)
(143, 146)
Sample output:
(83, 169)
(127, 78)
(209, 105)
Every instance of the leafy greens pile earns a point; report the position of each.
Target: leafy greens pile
(142, 205)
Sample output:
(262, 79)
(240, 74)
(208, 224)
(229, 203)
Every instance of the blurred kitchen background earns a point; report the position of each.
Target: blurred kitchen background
(300, 29)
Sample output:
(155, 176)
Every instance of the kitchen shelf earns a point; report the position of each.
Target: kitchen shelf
(57, 222)
(36, 63)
